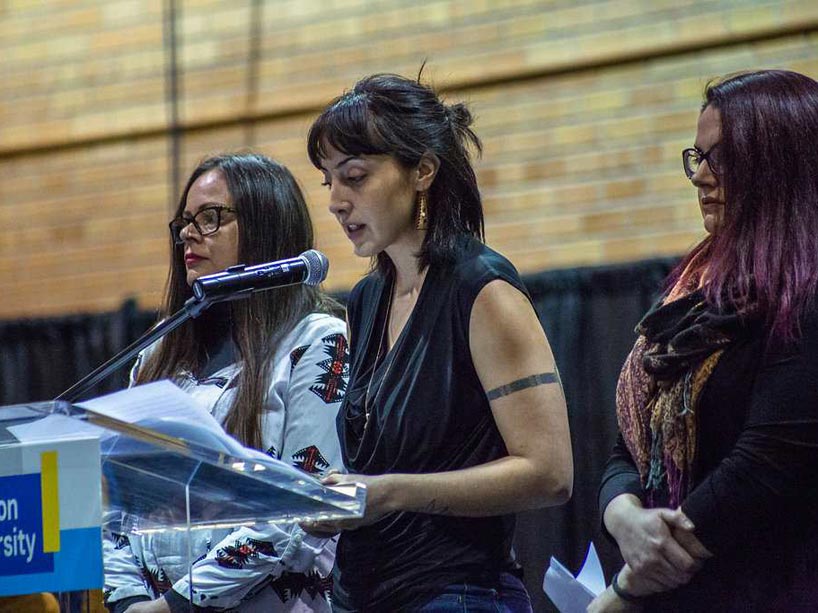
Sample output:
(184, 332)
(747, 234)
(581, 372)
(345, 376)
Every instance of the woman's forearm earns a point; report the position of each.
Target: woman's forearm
(616, 512)
(507, 485)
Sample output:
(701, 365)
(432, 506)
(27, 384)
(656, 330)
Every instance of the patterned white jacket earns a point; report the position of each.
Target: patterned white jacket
(263, 568)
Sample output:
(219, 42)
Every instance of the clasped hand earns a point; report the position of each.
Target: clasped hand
(660, 548)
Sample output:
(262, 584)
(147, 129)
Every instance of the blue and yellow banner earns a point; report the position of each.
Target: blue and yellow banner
(50, 515)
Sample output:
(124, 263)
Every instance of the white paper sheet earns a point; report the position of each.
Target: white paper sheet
(573, 594)
(160, 405)
(17, 412)
(54, 427)
(152, 401)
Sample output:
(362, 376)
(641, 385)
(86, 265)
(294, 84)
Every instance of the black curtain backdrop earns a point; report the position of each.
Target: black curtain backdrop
(40, 358)
(588, 313)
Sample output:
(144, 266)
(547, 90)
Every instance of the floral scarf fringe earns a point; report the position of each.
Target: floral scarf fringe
(663, 421)
(679, 346)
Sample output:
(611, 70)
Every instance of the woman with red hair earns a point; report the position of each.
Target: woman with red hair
(711, 493)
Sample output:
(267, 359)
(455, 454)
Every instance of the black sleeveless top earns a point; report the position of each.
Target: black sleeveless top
(428, 413)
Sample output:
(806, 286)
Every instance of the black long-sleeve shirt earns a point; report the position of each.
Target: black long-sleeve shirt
(754, 500)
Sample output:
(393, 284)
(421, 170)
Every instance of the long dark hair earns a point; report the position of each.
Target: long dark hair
(392, 115)
(273, 224)
(764, 257)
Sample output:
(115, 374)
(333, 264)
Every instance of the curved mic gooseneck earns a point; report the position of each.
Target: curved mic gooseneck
(232, 284)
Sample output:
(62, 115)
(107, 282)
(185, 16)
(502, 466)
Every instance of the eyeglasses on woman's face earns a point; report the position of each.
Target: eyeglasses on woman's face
(206, 221)
(693, 158)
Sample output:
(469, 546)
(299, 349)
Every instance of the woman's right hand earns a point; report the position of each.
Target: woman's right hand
(609, 602)
(647, 543)
(376, 501)
(149, 606)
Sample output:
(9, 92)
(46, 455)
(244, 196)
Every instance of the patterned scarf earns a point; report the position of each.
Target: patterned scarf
(680, 342)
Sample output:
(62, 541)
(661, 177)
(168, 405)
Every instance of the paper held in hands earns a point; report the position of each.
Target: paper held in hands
(154, 404)
(160, 406)
(168, 465)
(573, 594)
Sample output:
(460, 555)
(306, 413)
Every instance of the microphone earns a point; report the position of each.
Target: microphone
(239, 281)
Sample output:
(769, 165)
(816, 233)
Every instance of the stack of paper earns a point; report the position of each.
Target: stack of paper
(573, 594)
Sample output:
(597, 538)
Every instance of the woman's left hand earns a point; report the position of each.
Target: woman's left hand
(149, 606)
(375, 504)
(610, 602)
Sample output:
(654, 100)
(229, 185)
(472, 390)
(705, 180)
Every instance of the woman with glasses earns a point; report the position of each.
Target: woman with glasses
(455, 417)
(711, 493)
(271, 368)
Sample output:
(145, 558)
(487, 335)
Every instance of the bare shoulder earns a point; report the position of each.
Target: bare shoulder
(506, 338)
(502, 310)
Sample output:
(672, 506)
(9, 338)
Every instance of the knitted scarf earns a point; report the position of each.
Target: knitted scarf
(680, 342)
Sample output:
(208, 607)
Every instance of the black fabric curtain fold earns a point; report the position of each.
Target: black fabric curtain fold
(588, 313)
(40, 358)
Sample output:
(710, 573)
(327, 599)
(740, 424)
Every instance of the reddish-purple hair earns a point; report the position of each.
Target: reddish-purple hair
(764, 257)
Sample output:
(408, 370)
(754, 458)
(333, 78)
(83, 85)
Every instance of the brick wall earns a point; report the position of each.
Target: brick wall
(583, 110)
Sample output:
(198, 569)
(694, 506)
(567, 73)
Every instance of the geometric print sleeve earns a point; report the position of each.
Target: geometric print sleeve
(126, 579)
(318, 379)
(291, 562)
(248, 560)
(123, 577)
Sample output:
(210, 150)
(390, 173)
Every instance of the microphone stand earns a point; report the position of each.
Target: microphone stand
(191, 309)
(207, 291)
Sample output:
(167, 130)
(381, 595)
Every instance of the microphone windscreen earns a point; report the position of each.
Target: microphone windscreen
(317, 266)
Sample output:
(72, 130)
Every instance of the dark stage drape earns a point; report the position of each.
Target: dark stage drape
(40, 358)
(588, 313)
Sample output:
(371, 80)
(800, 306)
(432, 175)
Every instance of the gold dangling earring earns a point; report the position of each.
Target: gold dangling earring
(422, 220)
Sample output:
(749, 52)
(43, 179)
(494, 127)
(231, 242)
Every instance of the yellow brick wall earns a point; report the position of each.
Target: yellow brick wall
(583, 110)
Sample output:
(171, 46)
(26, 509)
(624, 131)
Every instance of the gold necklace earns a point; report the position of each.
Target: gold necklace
(367, 410)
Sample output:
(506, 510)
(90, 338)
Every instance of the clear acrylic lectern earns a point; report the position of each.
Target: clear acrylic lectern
(163, 478)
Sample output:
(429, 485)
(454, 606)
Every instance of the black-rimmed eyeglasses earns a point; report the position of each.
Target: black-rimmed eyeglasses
(206, 221)
(693, 158)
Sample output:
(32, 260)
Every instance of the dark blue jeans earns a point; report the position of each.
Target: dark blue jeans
(508, 597)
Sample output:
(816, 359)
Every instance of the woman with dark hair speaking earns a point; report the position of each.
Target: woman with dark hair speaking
(712, 490)
(271, 368)
(455, 417)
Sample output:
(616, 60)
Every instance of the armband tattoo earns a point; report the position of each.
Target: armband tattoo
(521, 384)
(435, 508)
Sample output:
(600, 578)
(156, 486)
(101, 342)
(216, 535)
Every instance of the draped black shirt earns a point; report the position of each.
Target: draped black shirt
(428, 413)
